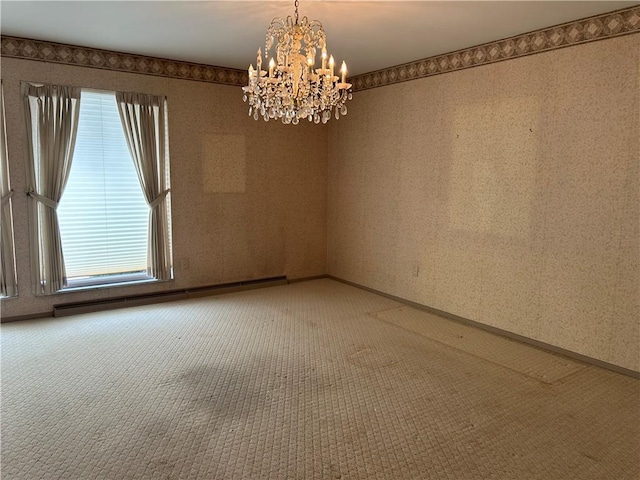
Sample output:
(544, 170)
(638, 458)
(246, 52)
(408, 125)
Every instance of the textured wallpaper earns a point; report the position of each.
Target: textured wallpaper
(248, 198)
(506, 194)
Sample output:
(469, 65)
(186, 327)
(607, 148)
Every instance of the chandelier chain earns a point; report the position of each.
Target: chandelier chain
(296, 3)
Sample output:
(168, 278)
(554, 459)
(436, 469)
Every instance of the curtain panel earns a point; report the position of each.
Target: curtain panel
(8, 279)
(51, 117)
(143, 119)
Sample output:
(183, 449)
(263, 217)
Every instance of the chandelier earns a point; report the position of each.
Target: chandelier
(293, 89)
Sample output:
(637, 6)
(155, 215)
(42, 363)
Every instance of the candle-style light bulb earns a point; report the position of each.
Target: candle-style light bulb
(344, 71)
(272, 64)
(324, 58)
(331, 64)
(310, 63)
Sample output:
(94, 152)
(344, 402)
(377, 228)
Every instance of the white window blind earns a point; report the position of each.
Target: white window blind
(103, 215)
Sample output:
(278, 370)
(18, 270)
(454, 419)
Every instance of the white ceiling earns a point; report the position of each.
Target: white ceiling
(369, 35)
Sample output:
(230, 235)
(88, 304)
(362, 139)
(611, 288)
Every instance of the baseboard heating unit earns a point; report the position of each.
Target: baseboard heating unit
(65, 309)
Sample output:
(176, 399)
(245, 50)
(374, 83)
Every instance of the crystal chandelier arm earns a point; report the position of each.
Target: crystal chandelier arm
(277, 27)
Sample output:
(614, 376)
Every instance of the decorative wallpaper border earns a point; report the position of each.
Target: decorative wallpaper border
(23, 48)
(598, 27)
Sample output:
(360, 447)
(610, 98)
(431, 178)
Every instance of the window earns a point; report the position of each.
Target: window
(98, 186)
(8, 280)
(103, 215)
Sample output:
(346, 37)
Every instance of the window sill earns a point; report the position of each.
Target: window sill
(110, 282)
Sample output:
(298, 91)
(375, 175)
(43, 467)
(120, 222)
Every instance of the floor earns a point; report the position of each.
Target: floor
(310, 380)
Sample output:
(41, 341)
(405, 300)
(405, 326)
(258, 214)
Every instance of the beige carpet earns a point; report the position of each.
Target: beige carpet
(309, 380)
(511, 354)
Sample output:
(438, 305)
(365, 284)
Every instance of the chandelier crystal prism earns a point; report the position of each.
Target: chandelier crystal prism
(293, 89)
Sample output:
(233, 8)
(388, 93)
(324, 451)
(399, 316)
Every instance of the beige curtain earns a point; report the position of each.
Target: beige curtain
(51, 115)
(144, 122)
(8, 280)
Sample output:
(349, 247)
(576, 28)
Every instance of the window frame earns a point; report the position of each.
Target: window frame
(127, 278)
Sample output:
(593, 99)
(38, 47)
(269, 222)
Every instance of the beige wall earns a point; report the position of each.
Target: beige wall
(512, 188)
(248, 198)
